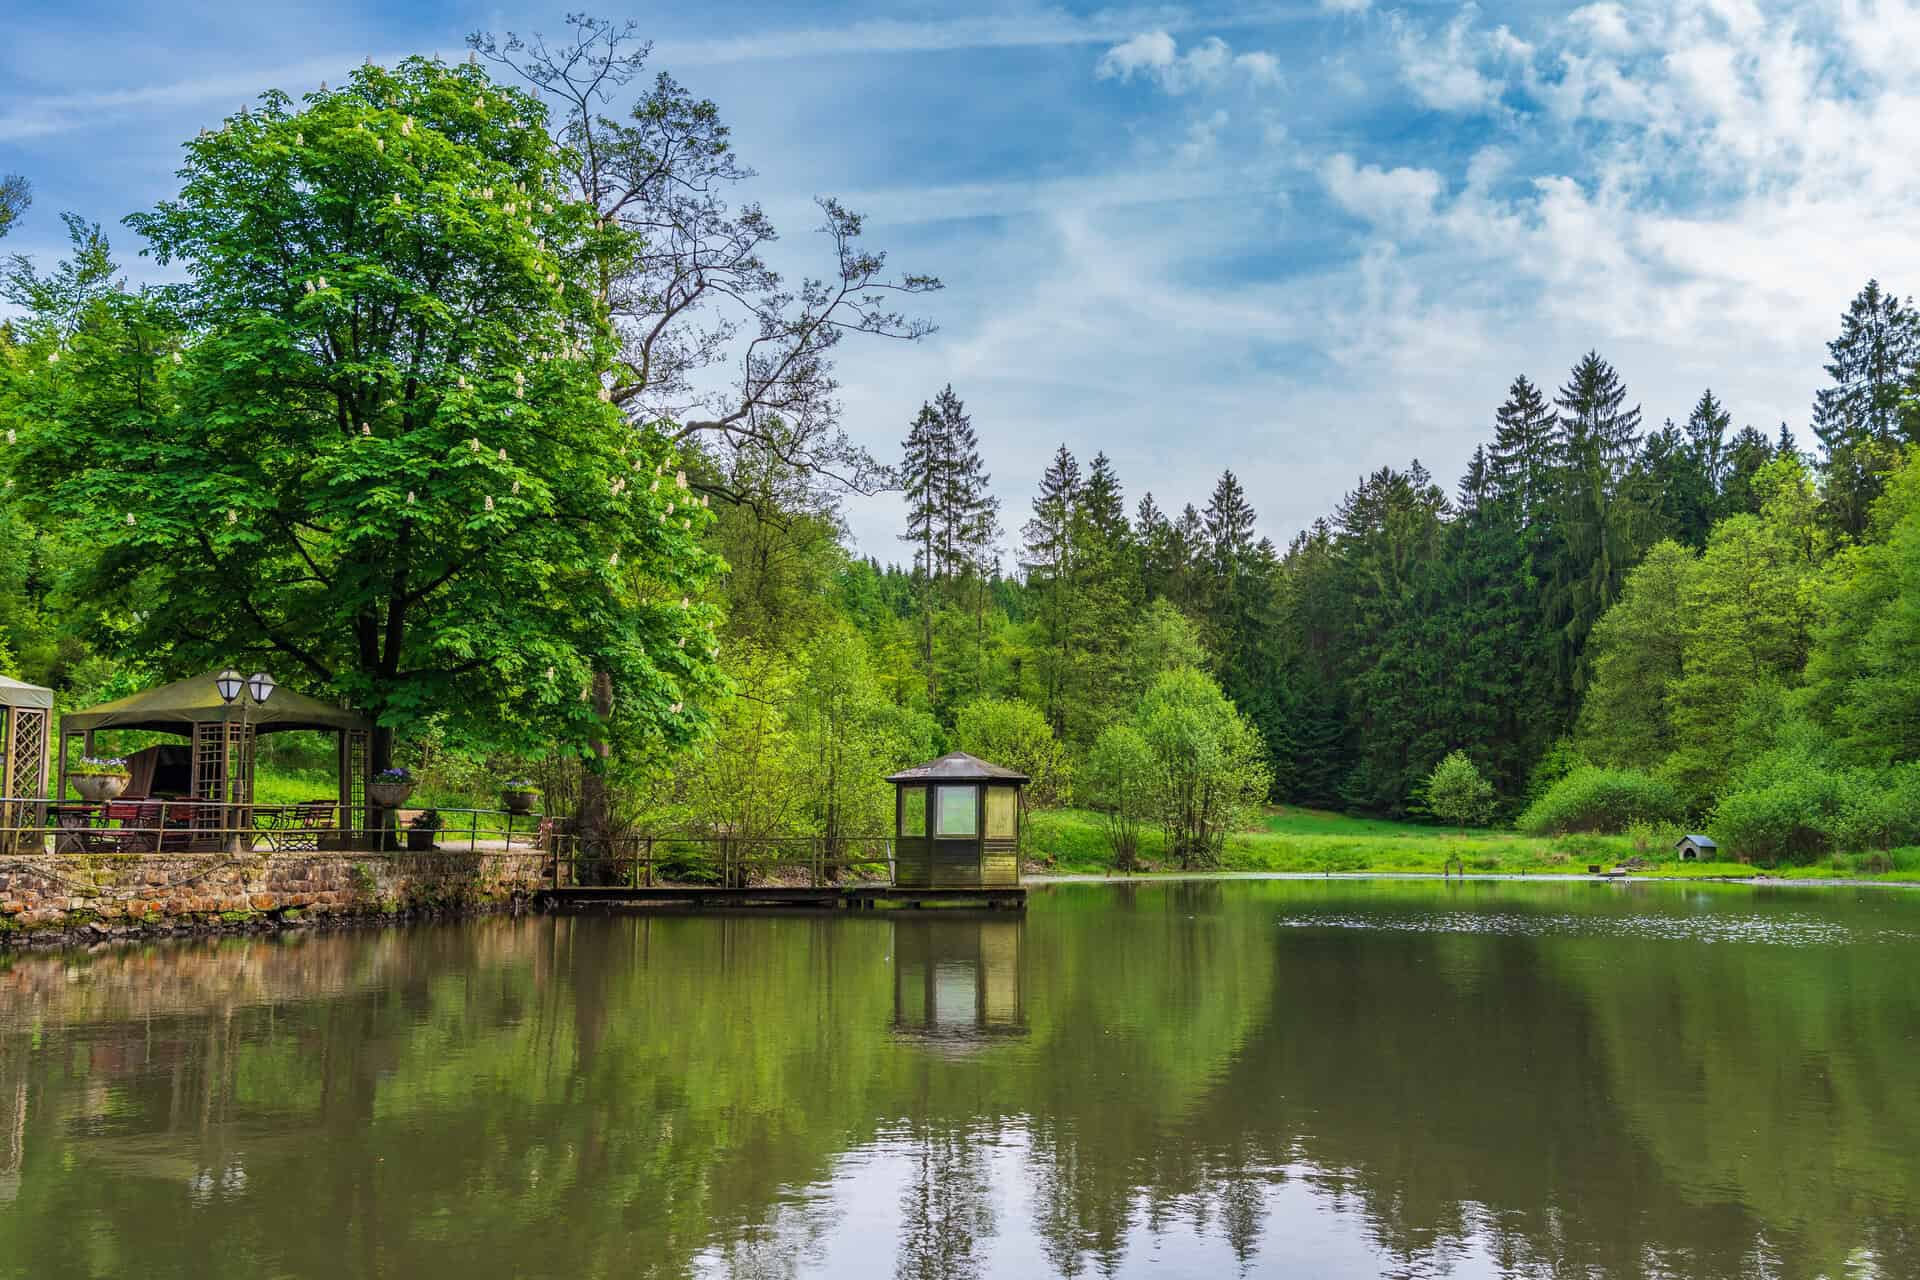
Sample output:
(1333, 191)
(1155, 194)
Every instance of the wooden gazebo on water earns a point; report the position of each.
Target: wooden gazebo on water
(215, 767)
(957, 824)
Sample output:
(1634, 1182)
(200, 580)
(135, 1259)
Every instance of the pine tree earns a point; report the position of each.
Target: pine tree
(1049, 568)
(1867, 414)
(923, 478)
(1523, 458)
(1598, 436)
(1106, 594)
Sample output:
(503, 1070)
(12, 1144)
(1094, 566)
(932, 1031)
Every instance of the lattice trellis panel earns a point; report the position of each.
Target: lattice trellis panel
(23, 768)
(222, 771)
(355, 749)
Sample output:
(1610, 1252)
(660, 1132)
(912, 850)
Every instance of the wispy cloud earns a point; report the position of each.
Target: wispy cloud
(52, 114)
(1021, 30)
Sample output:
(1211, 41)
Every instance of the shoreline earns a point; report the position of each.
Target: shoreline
(1515, 877)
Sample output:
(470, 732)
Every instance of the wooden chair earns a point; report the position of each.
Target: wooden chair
(139, 827)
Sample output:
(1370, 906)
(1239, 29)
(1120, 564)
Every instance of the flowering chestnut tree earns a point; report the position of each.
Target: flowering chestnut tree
(368, 438)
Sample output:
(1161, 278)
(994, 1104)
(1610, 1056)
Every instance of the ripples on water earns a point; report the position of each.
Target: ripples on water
(1795, 930)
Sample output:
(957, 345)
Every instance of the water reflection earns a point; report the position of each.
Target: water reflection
(958, 983)
(1338, 1080)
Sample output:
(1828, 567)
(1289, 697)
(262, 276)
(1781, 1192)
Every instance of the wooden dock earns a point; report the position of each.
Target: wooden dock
(863, 897)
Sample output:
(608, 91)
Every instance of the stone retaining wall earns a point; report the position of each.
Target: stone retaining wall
(64, 898)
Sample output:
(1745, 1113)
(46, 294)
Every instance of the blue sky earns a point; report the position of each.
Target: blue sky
(1303, 240)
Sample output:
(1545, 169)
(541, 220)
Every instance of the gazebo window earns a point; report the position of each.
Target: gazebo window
(1003, 813)
(913, 811)
(959, 811)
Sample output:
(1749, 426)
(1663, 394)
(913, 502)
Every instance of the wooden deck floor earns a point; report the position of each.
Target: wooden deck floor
(828, 897)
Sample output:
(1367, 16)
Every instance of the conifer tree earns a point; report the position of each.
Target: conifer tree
(1522, 458)
(1049, 568)
(1867, 413)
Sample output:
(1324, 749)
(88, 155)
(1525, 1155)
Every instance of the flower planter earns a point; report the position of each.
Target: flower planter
(519, 801)
(97, 788)
(420, 840)
(389, 795)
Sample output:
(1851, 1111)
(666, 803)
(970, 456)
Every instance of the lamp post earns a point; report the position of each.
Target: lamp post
(257, 688)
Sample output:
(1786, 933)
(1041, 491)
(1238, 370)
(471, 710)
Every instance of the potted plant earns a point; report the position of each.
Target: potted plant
(520, 795)
(390, 787)
(421, 829)
(99, 778)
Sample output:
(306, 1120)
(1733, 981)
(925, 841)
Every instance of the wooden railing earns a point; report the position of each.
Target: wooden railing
(728, 861)
(147, 828)
(31, 825)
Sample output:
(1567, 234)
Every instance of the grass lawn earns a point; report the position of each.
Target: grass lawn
(1310, 840)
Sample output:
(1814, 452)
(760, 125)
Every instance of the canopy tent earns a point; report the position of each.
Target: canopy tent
(222, 735)
(177, 707)
(18, 693)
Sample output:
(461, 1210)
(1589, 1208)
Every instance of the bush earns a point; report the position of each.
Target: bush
(1606, 801)
(1794, 804)
(1456, 793)
(1118, 780)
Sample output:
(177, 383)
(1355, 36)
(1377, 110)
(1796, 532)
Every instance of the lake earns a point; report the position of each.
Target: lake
(1303, 1078)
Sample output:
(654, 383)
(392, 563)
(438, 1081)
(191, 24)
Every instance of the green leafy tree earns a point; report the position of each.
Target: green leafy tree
(1457, 793)
(367, 435)
(1209, 766)
(1862, 676)
(1013, 733)
(1118, 780)
(15, 195)
(1639, 654)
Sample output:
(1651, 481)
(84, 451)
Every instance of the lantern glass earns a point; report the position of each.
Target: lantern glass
(260, 685)
(228, 683)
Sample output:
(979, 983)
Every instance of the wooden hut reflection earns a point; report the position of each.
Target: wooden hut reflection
(958, 983)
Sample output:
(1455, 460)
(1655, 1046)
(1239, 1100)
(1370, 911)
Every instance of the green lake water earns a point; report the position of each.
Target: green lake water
(1299, 1078)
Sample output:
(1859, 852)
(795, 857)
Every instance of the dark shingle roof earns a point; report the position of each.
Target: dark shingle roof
(957, 766)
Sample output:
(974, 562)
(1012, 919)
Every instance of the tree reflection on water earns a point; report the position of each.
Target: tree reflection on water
(1338, 1078)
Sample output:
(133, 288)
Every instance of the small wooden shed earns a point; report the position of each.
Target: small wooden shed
(956, 824)
(1694, 847)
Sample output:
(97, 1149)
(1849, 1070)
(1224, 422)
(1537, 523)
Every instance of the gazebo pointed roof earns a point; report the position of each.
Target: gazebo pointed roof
(958, 766)
(18, 693)
(177, 707)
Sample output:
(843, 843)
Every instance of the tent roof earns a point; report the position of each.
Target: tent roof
(958, 766)
(18, 693)
(177, 707)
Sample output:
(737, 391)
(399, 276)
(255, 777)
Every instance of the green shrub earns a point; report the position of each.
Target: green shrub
(1607, 801)
(1455, 792)
(1795, 803)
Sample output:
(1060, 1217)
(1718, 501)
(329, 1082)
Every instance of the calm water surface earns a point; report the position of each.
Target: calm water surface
(1177, 1079)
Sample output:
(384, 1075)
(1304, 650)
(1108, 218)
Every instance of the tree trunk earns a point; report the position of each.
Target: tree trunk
(593, 825)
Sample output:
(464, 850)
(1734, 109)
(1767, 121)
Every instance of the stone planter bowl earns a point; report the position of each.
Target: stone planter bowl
(519, 801)
(98, 787)
(389, 795)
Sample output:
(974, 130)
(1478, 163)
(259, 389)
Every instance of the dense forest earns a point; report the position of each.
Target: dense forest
(645, 592)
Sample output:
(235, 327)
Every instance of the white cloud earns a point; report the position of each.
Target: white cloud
(1448, 70)
(1399, 199)
(1346, 6)
(1207, 64)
